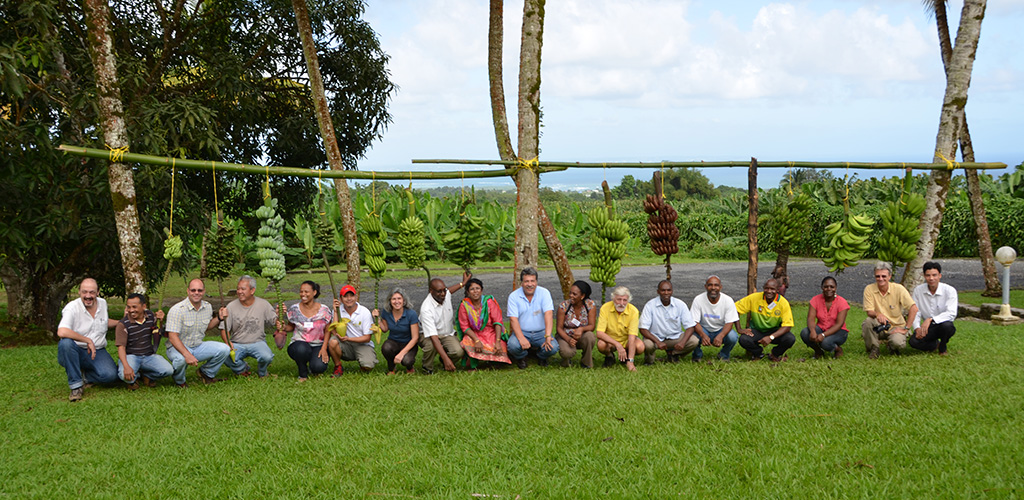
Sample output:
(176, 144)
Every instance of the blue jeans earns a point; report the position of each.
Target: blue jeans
(536, 339)
(830, 343)
(258, 350)
(727, 343)
(81, 366)
(153, 366)
(214, 353)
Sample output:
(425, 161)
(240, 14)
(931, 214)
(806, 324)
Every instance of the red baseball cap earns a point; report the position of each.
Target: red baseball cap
(347, 289)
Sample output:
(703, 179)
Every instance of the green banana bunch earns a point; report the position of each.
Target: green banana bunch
(847, 241)
(411, 237)
(791, 219)
(373, 248)
(607, 246)
(324, 233)
(463, 241)
(270, 242)
(172, 246)
(220, 251)
(900, 231)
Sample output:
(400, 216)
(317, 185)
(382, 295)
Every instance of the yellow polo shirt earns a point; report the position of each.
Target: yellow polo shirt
(892, 304)
(619, 326)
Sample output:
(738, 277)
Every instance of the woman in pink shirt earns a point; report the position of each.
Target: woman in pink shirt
(826, 321)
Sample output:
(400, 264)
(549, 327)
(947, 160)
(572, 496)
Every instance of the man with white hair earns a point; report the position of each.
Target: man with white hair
(82, 349)
(884, 303)
(247, 319)
(618, 328)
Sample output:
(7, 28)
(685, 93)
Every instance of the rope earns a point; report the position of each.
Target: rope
(117, 154)
(216, 209)
(951, 165)
(171, 229)
(266, 184)
(320, 193)
(663, 180)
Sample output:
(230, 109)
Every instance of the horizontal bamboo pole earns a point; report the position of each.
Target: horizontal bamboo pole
(292, 171)
(740, 163)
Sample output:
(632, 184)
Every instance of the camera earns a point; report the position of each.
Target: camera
(884, 327)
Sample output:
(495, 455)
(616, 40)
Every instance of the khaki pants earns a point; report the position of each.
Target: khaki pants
(691, 344)
(449, 343)
(363, 353)
(585, 344)
(897, 341)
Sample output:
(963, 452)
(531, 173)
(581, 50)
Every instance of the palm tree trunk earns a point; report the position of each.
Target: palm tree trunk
(958, 80)
(115, 135)
(323, 118)
(988, 266)
(505, 150)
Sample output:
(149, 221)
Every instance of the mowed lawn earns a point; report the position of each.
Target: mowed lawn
(919, 425)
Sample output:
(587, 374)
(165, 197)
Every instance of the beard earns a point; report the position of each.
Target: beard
(620, 309)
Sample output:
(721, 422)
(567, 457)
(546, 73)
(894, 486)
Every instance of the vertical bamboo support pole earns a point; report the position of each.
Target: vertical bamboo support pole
(752, 226)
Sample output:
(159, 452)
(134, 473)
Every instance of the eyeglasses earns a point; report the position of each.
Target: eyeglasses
(195, 289)
(880, 276)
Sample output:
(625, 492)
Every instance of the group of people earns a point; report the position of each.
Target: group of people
(474, 332)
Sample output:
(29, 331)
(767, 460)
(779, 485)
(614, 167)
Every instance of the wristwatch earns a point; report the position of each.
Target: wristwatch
(629, 360)
(771, 337)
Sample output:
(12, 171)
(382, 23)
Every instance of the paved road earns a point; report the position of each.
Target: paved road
(804, 280)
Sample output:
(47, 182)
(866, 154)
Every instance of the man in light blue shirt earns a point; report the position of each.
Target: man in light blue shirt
(530, 314)
(666, 324)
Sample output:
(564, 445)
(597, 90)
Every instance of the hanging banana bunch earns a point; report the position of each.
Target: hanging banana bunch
(848, 241)
(412, 238)
(220, 255)
(791, 219)
(607, 247)
(270, 246)
(661, 226)
(172, 252)
(375, 254)
(900, 232)
(463, 241)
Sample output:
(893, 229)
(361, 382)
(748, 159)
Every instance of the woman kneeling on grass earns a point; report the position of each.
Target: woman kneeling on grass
(307, 319)
(575, 324)
(481, 332)
(827, 316)
(402, 324)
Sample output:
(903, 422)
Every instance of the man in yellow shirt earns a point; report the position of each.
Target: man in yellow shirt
(770, 322)
(884, 304)
(618, 325)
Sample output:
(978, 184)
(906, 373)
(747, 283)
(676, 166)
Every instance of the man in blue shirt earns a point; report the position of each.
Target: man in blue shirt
(530, 315)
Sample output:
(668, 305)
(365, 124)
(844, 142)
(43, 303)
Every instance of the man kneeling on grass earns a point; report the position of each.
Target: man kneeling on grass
(666, 324)
(247, 319)
(618, 326)
(82, 350)
(770, 323)
(937, 307)
(136, 349)
(352, 338)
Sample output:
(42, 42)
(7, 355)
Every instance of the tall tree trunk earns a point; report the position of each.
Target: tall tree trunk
(958, 80)
(122, 182)
(323, 118)
(528, 201)
(988, 266)
(495, 42)
(752, 227)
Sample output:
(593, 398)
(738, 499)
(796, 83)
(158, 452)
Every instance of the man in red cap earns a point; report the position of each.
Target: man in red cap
(352, 339)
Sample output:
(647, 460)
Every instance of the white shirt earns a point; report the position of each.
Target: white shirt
(359, 322)
(713, 317)
(76, 318)
(436, 319)
(940, 306)
(666, 322)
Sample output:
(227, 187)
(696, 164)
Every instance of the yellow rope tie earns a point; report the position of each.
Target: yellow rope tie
(533, 164)
(950, 165)
(117, 154)
(791, 178)
(170, 230)
(410, 181)
(266, 183)
(663, 180)
(320, 192)
(216, 209)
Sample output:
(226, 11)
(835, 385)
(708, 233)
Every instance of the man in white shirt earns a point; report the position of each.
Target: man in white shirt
(352, 338)
(437, 327)
(937, 305)
(82, 349)
(666, 324)
(716, 317)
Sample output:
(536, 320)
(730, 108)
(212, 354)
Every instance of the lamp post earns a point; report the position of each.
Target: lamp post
(1005, 256)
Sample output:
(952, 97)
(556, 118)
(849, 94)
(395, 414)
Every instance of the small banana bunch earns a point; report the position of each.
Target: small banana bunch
(220, 254)
(607, 246)
(411, 240)
(791, 219)
(848, 240)
(900, 233)
(324, 233)
(373, 247)
(463, 242)
(172, 246)
(661, 226)
(270, 242)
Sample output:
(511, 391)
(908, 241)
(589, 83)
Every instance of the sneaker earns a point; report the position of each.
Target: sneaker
(338, 371)
(521, 363)
(76, 395)
(148, 382)
(208, 380)
(609, 360)
(756, 357)
(244, 374)
(839, 352)
(779, 359)
(672, 358)
(873, 353)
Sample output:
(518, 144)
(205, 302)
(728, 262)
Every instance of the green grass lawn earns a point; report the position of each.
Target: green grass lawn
(919, 425)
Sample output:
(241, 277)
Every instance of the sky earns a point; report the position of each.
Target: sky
(679, 80)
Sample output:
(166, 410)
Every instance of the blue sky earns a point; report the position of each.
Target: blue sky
(653, 80)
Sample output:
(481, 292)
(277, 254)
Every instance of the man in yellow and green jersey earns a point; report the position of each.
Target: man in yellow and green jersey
(770, 322)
